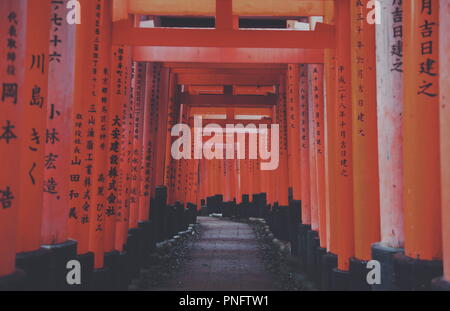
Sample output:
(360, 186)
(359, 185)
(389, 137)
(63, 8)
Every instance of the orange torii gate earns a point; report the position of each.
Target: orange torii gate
(444, 59)
(342, 148)
(421, 157)
(390, 138)
(56, 204)
(34, 134)
(357, 182)
(12, 75)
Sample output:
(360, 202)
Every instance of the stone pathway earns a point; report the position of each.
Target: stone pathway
(223, 258)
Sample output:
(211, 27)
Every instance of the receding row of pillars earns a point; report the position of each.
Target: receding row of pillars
(85, 136)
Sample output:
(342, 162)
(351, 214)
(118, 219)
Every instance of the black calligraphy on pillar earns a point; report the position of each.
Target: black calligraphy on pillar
(397, 32)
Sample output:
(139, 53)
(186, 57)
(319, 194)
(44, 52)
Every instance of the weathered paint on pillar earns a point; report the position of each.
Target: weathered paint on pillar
(304, 144)
(148, 145)
(312, 150)
(138, 138)
(155, 106)
(98, 112)
(79, 202)
(33, 159)
(115, 122)
(330, 138)
(162, 124)
(61, 60)
(293, 115)
(366, 200)
(343, 147)
(319, 147)
(283, 176)
(126, 158)
(12, 63)
(172, 119)
(389, 55)
(421, 177)
(444, 59)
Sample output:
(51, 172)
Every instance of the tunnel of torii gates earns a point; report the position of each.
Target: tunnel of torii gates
(87, 110)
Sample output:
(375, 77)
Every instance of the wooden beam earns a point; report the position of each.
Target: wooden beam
(223, 66)
(227, 71)
(120, 10)
(227, 79)
(227, 55)
(241, 7)
(224, 15)
(323, 37)
(228, 100)
(250, 111)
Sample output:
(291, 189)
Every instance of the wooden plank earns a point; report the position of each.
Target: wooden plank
(228, 55)
(241, 7)
(226, 79)
(228, 100)
(323, 37)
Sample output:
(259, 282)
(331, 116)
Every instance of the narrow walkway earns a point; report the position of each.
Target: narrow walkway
(224, 258)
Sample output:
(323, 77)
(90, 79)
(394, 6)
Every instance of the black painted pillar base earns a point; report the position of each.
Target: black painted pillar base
(328, 262)
(149, 242)
(340, 280)
(414, 274)
(294, 221)
(112, 263)
(123, 277)
(302, 243)
(13, 282)
(87, 268)
(102, 280)
(60, 255)
(358, 275)
(36, 266)
(134, 250)
(440, 284)
(320, 252)
(385, 256)
(312, 243)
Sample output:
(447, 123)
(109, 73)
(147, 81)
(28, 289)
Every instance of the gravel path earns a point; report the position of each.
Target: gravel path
(225, 257)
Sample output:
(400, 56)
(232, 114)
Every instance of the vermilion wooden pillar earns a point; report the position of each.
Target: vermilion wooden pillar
(343, 146)
(12, 104)
(282, 171)
(155, 86)
(421, 131)
(444, 59)
(390, 69)
(162, 124)
(172, 118)
(80, 160)
(312, 92)
(421, 144)
(126, 113)
(148, 143)
(304, 144)
(319, 147)
(99, 103)
(330, 141)
(389, 58)
(139, 91)
(365, 147)
(61, 62)
(33, 159)
(293, 115)
(115, 136)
